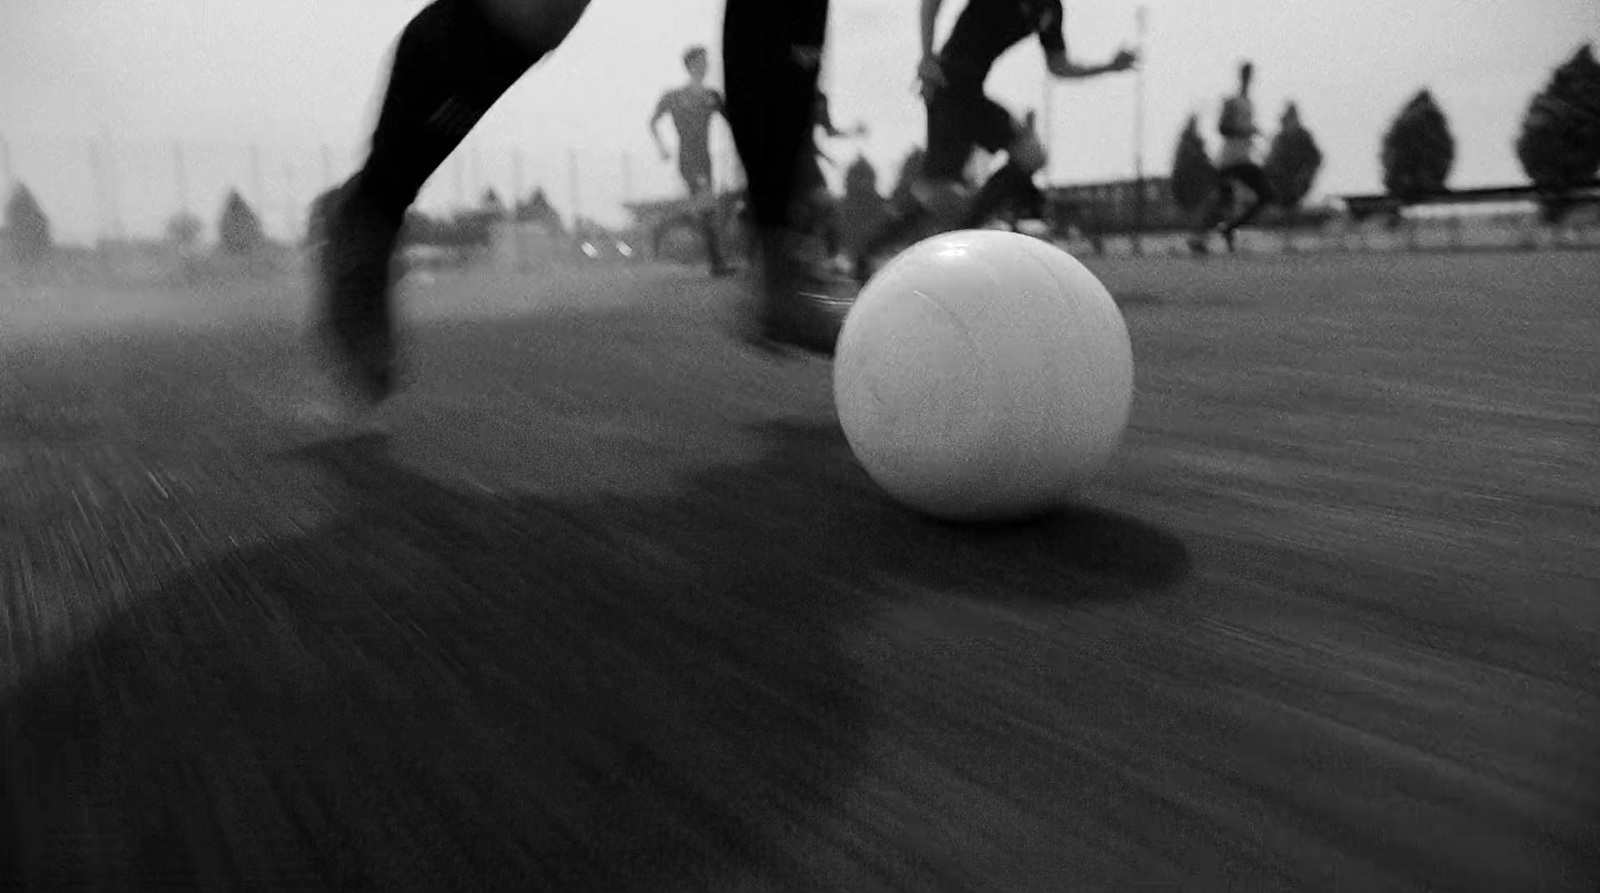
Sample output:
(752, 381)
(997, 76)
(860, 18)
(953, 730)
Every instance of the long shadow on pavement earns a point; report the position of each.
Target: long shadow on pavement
(449, 689)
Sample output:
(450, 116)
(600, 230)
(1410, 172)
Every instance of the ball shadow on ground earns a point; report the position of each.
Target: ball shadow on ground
(1078, 554)
(451, 689)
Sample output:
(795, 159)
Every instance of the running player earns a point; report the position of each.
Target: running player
(691, 108)
(816, 213)
(961, 116)
(1236, 164)
(457, 57)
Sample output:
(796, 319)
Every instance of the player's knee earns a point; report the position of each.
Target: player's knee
(538, 25)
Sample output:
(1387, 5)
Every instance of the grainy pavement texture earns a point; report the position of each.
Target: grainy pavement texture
(606, 604)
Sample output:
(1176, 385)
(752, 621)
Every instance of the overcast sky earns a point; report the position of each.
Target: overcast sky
(273, 96)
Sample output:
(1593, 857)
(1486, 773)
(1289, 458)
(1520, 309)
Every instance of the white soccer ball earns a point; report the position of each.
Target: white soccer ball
(983, 375)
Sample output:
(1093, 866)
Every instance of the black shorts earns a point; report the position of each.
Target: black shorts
(1250, 174)
(696, 172)
(958, 121)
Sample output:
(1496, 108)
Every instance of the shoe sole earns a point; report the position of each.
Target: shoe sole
(361, 387)
(791, 345)
(365, 377)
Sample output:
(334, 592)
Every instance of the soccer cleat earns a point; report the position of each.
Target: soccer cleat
(796, 305)
(355, 254)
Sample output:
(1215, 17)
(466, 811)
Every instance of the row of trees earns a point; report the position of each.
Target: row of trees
(31, 241)
(1558, 146)
(240, 233)
(473, 228)
(467, 228)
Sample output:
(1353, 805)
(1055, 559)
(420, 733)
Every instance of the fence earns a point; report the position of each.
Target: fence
(106, 187)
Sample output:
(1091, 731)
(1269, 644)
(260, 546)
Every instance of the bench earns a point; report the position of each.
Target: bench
(1366, 206)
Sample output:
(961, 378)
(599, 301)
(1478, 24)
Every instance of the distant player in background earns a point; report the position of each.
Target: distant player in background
(1236, 164)
(961, 116)
(691, 108)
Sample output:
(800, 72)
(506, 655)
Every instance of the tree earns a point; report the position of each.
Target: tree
(1559, 145)
(239, 231)
(1193, 175)
(1418, 150)
(183, 230)
(492, 205)
(28, 230)
(1291, 165)
(537, 209)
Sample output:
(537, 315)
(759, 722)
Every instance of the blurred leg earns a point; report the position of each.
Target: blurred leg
(1025, 157)
(832, 240)
(1221, 203)
(706, 218)
(453, 61)
(1255, 180)
(772, 52)
(938, 194)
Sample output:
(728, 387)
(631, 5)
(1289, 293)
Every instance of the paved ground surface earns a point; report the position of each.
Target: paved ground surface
(610, 606)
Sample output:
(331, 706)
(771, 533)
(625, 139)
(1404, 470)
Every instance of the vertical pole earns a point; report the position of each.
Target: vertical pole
(517, 199)
(1138, 136)
(474, 177)
(517, 182)
(97, 175)
(461, 186)
(572, 187)
(258, 181)
(180, 177)
(627, 178)
(7, 176)
(291, 225)
(627, 186)
(110, 168)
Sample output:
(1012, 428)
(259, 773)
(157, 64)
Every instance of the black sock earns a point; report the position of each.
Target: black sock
(771, 55)
(1003, 186)
(708, 232)
(830, 233)
(450, 66)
